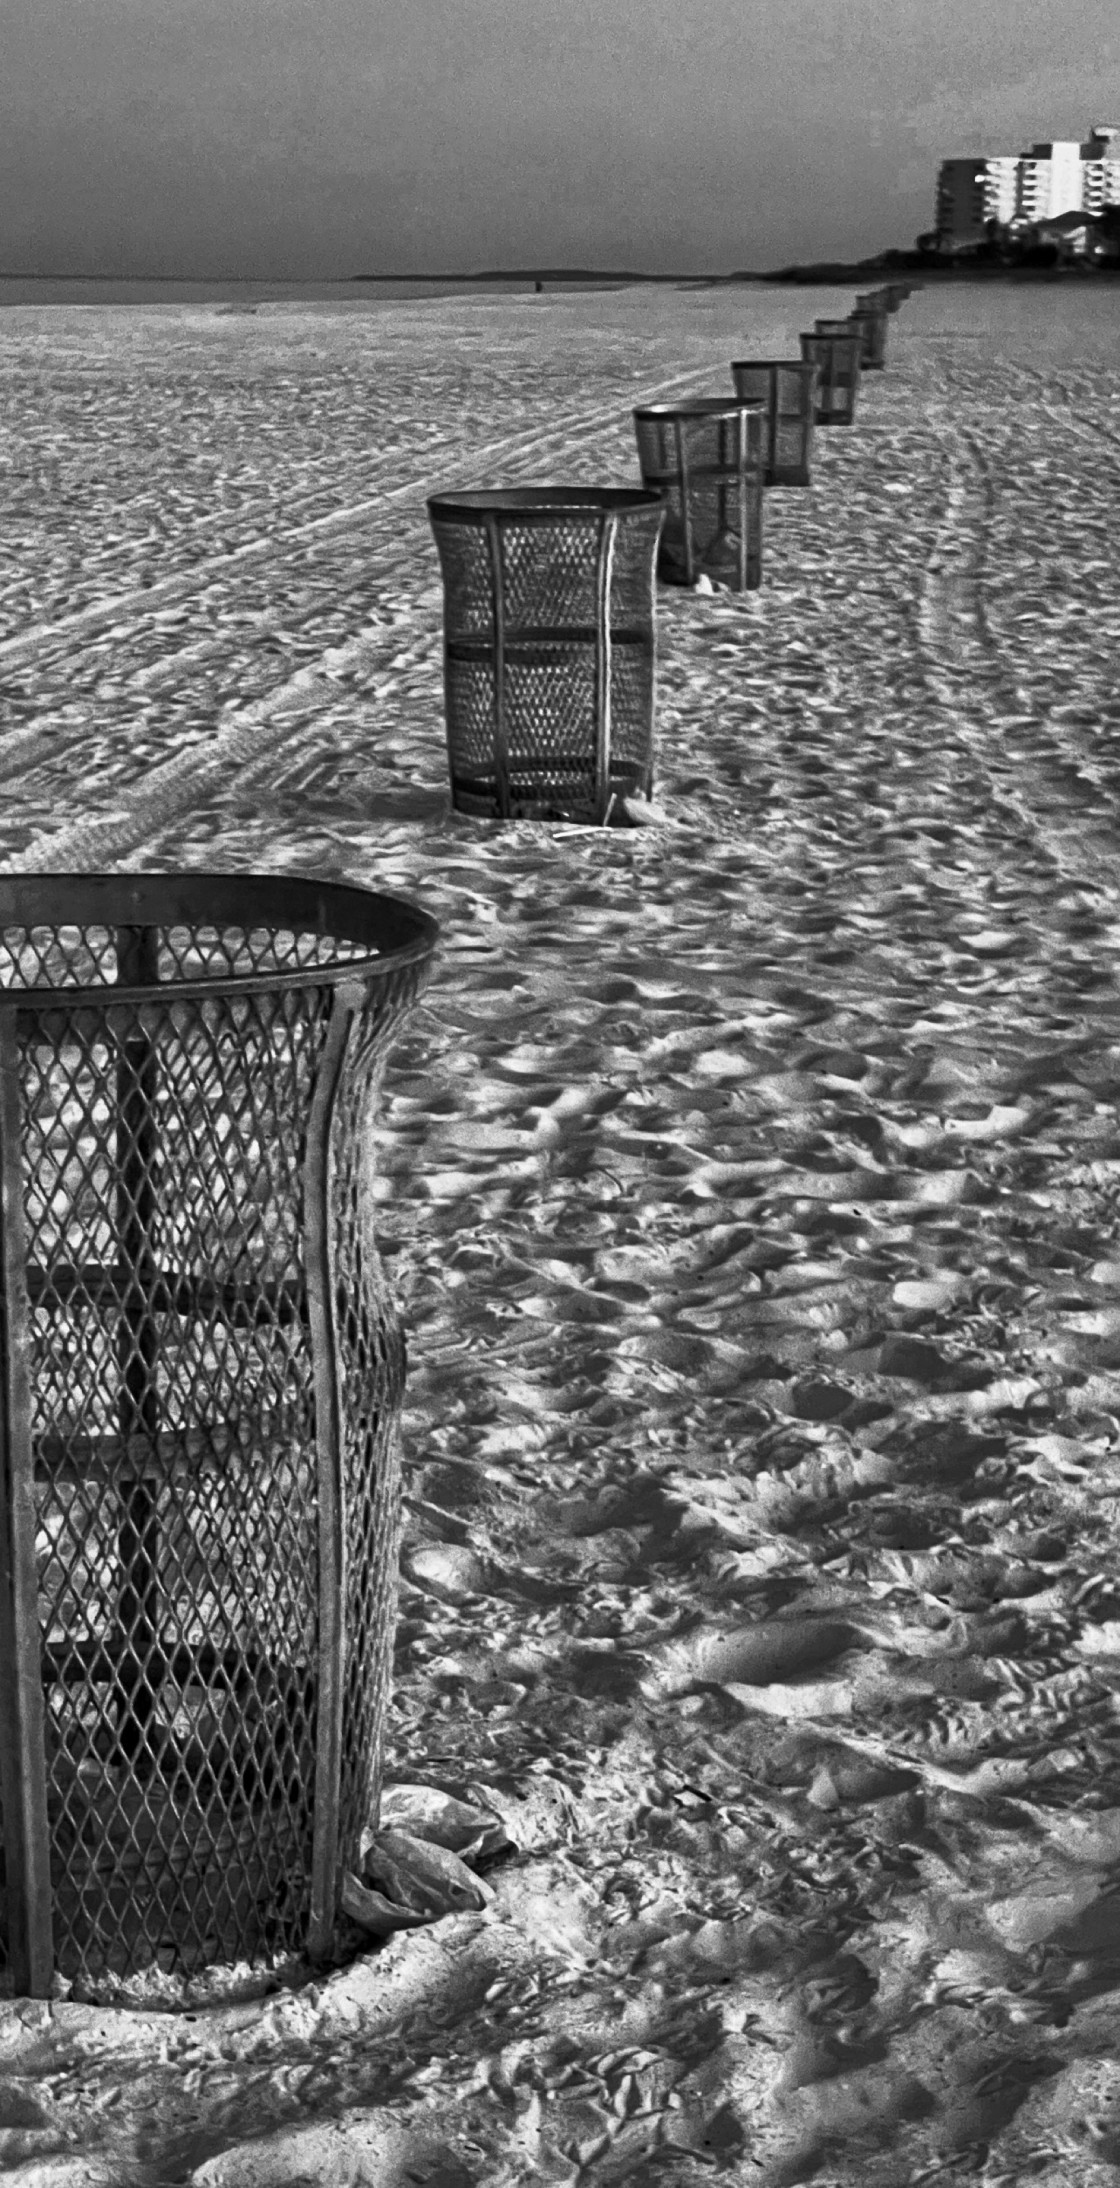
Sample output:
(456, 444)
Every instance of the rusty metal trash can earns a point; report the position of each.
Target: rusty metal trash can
(837, 358)
(707, 458)
(549, 648)
(200, 1374)
(788, 390)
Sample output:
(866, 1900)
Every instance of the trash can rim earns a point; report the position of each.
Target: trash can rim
(702, 406)
(289, 903)
(527, 503)
(783, 364)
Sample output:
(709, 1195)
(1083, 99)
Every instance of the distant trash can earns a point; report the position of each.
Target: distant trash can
(707, 458)
(788, 390)
(873, 307)
(200, 1375)
(873, 330)
(837, 358)
(871, 326)
(549, 647)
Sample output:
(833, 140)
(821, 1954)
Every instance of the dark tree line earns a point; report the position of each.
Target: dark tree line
(1028, 244)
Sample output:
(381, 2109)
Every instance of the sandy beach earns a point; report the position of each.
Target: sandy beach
(750, 1184)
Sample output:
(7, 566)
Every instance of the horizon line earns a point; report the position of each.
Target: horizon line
(485, 273)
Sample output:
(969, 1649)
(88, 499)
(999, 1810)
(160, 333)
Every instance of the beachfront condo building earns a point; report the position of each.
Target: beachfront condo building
(1022, 189)
(1102, 177)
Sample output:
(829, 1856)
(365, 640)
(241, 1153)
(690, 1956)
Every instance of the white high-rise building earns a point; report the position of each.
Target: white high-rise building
(1059, 176)
(1001, 184)
(1050, 180)
(1100, 167)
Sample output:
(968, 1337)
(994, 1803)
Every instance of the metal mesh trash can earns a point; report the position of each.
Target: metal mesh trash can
(872, 308)
(200, 1374)
(871, 327)
(863, 325)
(549, 646)
(873, 334)
(708, 459)
(788, 390)
(836, 357)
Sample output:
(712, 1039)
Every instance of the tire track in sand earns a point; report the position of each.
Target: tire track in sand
(249, 738)
(38, 739)
(140, 600)
(968, 672)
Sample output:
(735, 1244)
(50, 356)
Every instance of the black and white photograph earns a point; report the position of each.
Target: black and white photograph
(559, 1080)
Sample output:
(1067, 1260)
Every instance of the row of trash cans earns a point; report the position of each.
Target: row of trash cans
(200, 1365)
(549, 602)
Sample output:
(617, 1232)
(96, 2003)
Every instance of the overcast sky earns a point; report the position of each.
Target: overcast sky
(318, 138)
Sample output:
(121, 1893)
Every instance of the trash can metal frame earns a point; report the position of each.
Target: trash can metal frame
(192, 1321)
(837, 357)
(549, 609)
(789, 424)
(683, 475)
(871, 327)
(872, 305)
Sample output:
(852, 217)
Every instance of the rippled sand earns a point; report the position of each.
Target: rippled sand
(751, 1183)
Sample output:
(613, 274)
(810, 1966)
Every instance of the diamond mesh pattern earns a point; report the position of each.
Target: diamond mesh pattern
(787, 389)
(468, 586)
(632, 575)
(708, 461)
(71, 956)
(163, 1172)
(548, 575)
(197, 953)
(54, 957)
(632, 699)
(837, 358)
(544, 615)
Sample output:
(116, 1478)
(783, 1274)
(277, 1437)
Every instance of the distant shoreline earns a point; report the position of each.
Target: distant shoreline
(550, 274)
(822, 273)
(825, 273)
(554, 275)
